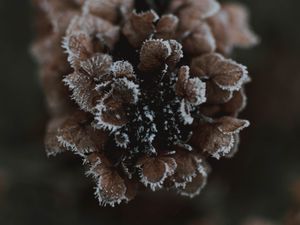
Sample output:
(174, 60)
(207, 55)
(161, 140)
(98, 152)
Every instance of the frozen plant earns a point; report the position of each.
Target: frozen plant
(143, 95)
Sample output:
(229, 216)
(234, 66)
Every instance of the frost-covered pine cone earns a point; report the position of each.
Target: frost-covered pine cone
(143, 97)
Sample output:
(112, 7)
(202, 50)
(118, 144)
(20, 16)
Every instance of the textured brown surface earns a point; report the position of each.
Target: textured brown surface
(148, 107)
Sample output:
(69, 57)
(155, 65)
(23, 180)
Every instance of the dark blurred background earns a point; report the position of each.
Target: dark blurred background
(255, 183)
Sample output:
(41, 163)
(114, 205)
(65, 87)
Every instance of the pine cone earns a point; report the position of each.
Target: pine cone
(143, 98)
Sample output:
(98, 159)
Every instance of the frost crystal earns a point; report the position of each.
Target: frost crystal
(143, 98)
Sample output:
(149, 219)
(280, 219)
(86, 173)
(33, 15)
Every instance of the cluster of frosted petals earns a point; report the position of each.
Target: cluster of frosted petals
(185, 44)
(206, 26)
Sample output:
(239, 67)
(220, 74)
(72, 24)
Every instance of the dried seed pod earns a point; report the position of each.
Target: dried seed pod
(226, 74)
(146, 98)
(188, 167)
(200, 41)
(139, 27)
(223, 76)
(76, 135)
(219, 140)
(191, 12)
(166, 27)
(81, 86)
(110, 110)
(123, 69)
(110, 10)
(193, 188)
(154, 171)
(230, 28)
(154, 54)
(52, 145)
(191, 89)
(111, 188)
